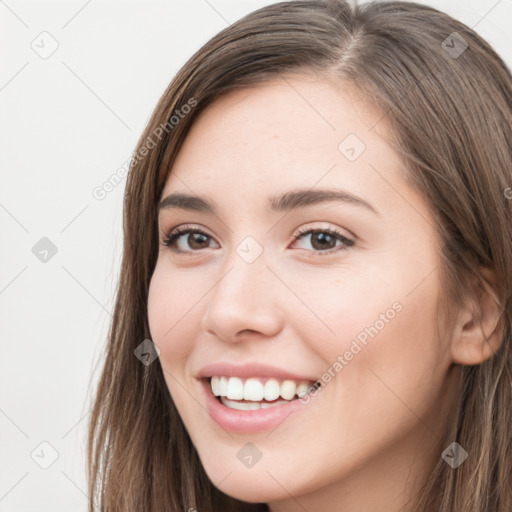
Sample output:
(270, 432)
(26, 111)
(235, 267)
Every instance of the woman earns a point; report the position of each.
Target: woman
(314, 309)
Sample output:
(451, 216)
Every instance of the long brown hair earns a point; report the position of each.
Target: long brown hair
(447, 99)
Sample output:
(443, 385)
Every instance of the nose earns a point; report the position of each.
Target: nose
(244, 302)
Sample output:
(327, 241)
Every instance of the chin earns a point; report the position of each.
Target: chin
(252, 485)
(252, 491)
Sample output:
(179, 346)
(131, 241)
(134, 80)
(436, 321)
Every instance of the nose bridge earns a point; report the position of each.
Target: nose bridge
(243, 297)
(244, 276)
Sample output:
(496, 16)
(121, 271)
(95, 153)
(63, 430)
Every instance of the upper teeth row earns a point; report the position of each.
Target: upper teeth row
(254, 389)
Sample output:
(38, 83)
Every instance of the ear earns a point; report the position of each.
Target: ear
(480, 319)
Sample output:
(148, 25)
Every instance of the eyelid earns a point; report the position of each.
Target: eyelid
(335, 230)
(346, 241)
(178, 231)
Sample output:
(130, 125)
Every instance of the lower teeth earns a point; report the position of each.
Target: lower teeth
(250, 406)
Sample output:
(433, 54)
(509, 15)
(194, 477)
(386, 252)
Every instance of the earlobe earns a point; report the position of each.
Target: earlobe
(478, 333)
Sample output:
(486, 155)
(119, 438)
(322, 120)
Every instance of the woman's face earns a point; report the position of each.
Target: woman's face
(352, 305)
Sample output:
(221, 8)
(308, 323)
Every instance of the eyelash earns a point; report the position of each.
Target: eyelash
(346, 241)
(176, 233)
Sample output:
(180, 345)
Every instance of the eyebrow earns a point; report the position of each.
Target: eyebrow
(291, 200)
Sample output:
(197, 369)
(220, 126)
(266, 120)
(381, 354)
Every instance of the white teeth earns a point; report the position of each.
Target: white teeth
(223, 386)
(235, 389)
(288, 388)
(250, 406)
(255, 390)
(302, 389)
(264, 405)
(215, 384)
(272, 389)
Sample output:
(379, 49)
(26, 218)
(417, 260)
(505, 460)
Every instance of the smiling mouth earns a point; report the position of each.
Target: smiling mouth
(255, 393)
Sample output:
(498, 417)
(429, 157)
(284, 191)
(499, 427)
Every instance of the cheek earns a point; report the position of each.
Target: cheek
(334, 306)
(173, 309)
(377, 320)
(393, 362)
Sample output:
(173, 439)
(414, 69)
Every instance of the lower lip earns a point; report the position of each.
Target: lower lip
(246, 422)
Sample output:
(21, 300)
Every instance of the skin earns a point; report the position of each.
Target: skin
(368, 438)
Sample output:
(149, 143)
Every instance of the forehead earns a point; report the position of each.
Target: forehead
(294, 131)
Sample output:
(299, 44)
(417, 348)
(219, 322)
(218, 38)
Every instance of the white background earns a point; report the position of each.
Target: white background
(68, 122)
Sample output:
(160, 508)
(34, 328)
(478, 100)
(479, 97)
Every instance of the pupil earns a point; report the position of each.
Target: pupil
(322, 237)
(193, 237)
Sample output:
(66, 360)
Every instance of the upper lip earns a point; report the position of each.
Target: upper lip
(250, 370)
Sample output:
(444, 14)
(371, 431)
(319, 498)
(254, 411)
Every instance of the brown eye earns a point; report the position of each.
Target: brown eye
(323, 241)
(178, 242)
